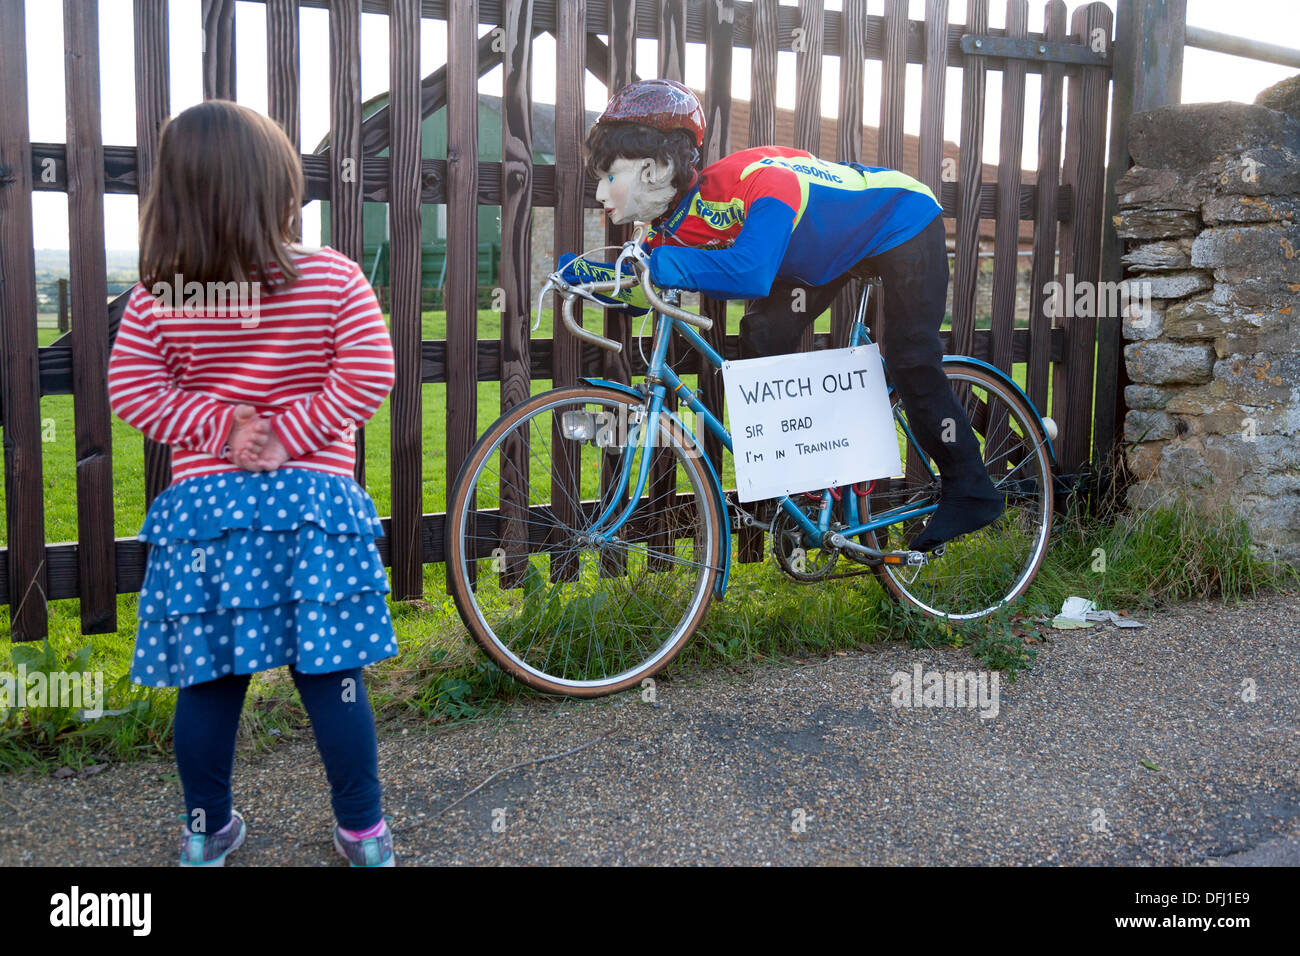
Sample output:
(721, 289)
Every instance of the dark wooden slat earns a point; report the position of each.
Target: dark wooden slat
(27, 577)
(1084, 169)
(889, 144)
(808, 78)
(934, 76)
(461, 289)
(717, 143)
(89, 337)
(617, 365)
(622, 64)
(119, 178)
(762, 132)
(762, 98)
(405, 270)
(848, 146)
(930, 167)
(1006, 233)
(695, 25)
(282, 69)
(671, 30)
(152, 105)
(344, 159)
(131, 554)
(969, 172)
(1048, 176)
(218, 49)
(889, 152)
(808, 96)
(516, 233)
(56, 360)
(570, 50)
(762, 71)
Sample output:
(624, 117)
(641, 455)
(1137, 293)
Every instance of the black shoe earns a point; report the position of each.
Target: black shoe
(959, 514)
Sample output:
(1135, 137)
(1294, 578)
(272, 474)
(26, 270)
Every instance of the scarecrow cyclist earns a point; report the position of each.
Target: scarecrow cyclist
(769, 220)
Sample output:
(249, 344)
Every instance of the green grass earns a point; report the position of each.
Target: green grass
(1151, 557)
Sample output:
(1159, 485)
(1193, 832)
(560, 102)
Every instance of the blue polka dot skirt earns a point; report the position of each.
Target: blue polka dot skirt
(253, 570)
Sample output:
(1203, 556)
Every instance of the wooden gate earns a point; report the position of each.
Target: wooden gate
(1065, 205)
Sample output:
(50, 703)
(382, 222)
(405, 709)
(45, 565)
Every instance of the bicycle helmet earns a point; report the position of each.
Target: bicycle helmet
(664, 105)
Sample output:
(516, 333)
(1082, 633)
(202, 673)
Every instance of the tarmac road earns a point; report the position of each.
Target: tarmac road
(1118, 747)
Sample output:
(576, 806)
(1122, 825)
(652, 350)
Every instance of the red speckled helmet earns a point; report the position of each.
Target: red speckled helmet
(662, 104)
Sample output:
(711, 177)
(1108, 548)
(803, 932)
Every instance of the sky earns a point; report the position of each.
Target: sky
(1207, 77)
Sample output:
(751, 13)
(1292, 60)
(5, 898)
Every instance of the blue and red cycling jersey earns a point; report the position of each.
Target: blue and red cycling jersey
(772, 212)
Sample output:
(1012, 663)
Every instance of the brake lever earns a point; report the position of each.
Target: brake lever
(541, 297)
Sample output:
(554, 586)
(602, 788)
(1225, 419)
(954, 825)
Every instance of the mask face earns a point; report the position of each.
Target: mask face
(635, 190)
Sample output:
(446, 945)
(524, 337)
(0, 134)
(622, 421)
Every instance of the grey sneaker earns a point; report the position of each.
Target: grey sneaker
(373, 851)
(199, 849)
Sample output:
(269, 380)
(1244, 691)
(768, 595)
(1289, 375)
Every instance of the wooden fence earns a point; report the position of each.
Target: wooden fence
(1066, 205)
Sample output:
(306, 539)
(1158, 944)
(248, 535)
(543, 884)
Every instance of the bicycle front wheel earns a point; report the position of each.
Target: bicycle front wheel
(549, 602)
(980, 572)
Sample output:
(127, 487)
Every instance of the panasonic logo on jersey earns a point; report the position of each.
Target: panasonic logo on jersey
(806, 170)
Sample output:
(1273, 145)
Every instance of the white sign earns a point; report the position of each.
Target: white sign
(810, 420)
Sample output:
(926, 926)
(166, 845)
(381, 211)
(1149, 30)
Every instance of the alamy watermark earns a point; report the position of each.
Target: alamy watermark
(616, 430)
(83, 690)
(974, 689)
(1126, 298)
(191, 299)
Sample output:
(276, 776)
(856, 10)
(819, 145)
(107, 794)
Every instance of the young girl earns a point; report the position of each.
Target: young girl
(256, 361)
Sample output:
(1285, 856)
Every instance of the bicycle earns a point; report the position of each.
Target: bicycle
(589, 590)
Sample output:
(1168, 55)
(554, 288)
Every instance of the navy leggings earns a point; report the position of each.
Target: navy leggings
(207, 718)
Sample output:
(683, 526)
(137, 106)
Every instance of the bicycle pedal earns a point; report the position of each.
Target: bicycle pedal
(911, 559)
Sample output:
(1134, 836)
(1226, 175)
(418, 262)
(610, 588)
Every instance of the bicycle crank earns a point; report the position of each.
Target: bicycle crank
(913, 559)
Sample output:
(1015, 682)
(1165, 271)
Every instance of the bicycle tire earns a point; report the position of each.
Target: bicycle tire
(555, 550)
(988, 569)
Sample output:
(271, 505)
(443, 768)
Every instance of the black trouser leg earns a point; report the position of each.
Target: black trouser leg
(915, 288)
(774, 324)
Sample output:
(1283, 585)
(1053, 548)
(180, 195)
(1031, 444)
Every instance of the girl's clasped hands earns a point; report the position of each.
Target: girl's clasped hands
(253, 444)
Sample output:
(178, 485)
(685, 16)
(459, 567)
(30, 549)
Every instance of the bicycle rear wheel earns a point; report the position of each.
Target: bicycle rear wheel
(980, 572)
(549, 605)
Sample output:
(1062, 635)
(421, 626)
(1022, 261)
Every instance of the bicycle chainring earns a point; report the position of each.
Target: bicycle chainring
(790, 552)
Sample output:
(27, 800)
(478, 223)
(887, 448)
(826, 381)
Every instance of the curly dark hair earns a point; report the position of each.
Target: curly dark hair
(607, 142)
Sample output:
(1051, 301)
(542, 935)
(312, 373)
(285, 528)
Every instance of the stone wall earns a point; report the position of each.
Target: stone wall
(1209, 213)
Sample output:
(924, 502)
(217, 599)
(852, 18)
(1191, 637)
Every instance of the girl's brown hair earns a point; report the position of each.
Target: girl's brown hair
(226, 198)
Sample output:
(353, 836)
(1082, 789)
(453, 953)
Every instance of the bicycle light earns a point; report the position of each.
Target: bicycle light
(1049, 426)
(578, 425)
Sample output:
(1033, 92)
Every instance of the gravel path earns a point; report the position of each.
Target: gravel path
(798, 764)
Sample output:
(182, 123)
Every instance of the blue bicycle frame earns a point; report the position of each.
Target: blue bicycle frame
(663, 380)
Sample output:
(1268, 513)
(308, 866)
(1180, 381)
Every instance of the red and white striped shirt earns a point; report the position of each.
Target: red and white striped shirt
(315, 359)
